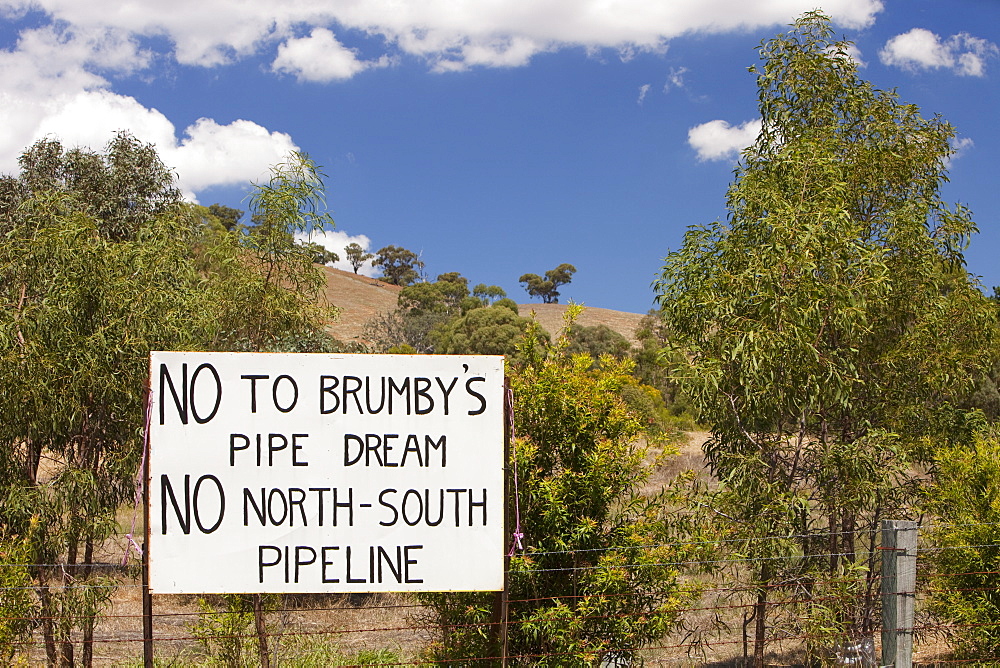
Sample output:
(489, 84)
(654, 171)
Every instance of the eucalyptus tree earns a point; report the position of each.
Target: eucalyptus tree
(824, 327)
(100, 262)
(356, 255)
(548, 287)
(399, 265)
(264, 284)
(488, 294)
(487, 330)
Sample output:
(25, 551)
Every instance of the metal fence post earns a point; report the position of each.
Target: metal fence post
(899, 584)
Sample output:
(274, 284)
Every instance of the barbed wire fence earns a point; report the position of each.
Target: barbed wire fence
(396, 629)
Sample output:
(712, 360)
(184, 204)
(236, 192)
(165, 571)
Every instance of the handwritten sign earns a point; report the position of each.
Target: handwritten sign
(325, 473)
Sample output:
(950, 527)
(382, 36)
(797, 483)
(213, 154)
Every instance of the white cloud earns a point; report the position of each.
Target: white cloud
(208, 155)
(675, 79)
(337, 241)
(971, 64)
(50, 88)
(450, 34)
(918, 49)
(58, 79)
(211, 154)
(643, 89)
(960, 145)
(321, 58)
(718, 140)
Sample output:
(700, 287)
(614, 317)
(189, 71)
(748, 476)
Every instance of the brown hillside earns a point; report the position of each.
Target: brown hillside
(361, 298)
(550, 316)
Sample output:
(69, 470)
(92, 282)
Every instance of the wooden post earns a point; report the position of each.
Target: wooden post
(147, 597)
(261, 627)
(899, 585)
(500, 601)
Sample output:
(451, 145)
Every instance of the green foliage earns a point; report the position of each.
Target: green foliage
(985, 396)
(421, 308)
(201, 217)
(444, 296)
(432, 315)
(399, 265)
(507, 303)
(648, 405)
(356, 255)
(314, 341)
(825, 324)
(16, 601)
(488, 294)
(400, 328)
(122, 189)
(319, 653)
(596, 341)
(263, 284)
(594, 575)
(493, 330)
(99, 266)
(548, 288)
(965, 589)
(227, 633)
(228, 216)
(320, 254)
(654, 366)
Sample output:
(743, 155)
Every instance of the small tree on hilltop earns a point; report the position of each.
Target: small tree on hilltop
(399, 265)
(356, 255)
(488, 294)
(548, 288)
(320, 253)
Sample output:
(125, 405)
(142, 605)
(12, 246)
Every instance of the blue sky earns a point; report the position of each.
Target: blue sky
(496, 137)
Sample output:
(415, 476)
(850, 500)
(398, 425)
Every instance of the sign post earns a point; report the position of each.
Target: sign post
(325, 473)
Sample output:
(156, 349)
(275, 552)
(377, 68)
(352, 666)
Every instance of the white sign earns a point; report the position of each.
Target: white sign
(325, 473)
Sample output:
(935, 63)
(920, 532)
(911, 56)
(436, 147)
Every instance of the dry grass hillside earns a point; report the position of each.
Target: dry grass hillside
(361, 298)
(550, 317)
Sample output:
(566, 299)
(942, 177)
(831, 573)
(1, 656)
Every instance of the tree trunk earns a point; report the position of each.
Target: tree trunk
(760, 627)
(66, 655)
(832, 542)
(32, 461)
(48, 614)
(88, 642)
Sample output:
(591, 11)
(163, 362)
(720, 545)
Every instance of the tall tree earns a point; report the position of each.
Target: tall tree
(320, 253)
(448, 295)
(270, 288)
(548, 288)
(824, 327)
